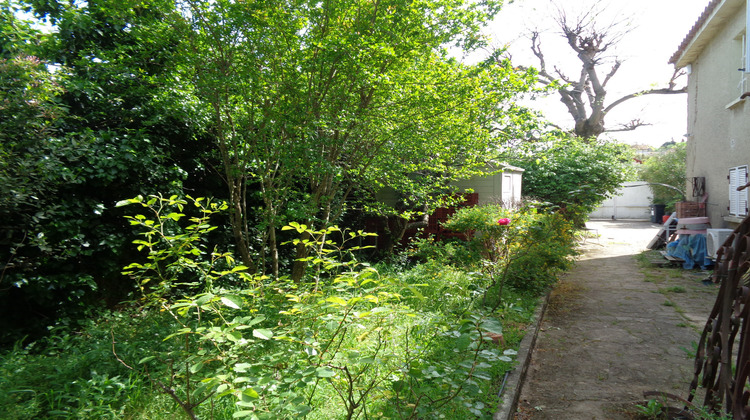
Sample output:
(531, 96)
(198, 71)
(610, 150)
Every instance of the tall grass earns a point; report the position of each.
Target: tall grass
(417, 340)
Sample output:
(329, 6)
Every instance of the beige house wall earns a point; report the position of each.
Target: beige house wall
(718, 126)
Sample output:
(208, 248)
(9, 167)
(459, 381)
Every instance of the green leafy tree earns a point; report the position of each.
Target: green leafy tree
(666, 167)
(301, 105)
(16, 34)
(103, 124)
(340, 97)
(31, 169)
(573, 175)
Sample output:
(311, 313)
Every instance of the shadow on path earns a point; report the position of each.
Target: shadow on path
(614, 330)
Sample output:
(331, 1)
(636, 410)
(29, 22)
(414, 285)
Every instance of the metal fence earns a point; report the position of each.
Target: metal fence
(722, 362)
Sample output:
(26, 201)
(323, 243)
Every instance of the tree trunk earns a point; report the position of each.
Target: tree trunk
(302, 251)
(588, 129)
(238, 221)
(274, 251)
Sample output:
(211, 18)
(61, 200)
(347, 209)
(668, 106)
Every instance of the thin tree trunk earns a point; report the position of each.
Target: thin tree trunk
(238, 221)
(274, 251)
(302, 251)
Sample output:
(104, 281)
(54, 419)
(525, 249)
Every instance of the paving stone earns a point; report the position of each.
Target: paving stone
(614, 330)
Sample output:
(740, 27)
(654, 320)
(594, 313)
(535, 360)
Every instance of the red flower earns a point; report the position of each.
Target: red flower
(503, 222)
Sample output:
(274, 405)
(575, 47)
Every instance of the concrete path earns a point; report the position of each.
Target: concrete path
(615, 328)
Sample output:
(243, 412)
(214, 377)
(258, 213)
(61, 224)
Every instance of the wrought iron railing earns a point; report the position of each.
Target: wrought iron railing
(722, 362)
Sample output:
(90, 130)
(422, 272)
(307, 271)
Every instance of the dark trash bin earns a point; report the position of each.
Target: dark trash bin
(657, 213)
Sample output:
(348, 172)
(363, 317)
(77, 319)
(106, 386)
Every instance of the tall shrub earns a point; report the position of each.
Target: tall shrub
(522, 248)
(572, 175)
(667, 166)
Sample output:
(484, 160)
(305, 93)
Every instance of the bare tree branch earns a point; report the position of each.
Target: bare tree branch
(612, 72)
(536, 48)
(629, 126)
(562, 76)
(585, 98)
(662, 91)
(669, 90)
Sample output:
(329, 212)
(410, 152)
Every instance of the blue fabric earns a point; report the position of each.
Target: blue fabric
(699, 251)
(692, 249)
(681, 249)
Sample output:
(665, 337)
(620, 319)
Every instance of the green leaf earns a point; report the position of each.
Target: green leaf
(223, 390)
(398, 385)
(295, 226)
(251, 393)
(263, 334)
(234, 302)
(242, 367)
(146, 359)
(483, 376)
(492, 325)
(122, 203)
(196, 367)
(415, 292)
(337, 300)
(202, 300)
(205, 385)
(302, 410)
(324, 372)
(175, 216)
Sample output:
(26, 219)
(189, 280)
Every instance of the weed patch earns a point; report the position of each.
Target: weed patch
(209, 339)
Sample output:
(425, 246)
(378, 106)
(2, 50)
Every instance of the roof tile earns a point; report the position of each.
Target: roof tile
(694, 30)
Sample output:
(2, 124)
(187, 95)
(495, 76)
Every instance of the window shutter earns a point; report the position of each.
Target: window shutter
(738, 200)
(732, 190)
(729, 184)
(742, 195)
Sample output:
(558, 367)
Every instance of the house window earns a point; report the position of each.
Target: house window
(738, 199)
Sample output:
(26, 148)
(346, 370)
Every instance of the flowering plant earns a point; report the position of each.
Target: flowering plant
(503, 222)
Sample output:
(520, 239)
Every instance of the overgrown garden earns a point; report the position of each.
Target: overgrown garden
(185, 187)
(431, 336)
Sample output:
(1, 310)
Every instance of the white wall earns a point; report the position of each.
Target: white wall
(632, 201)
(503, 187)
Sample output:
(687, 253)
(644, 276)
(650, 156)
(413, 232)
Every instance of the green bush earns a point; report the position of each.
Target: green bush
(453, 251)
(667, 167)
(281, 349)
(522, 248)
(442, 288)
(573, 175)
(547, 250)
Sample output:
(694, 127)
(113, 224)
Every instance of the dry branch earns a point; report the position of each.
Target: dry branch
(585, 98)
